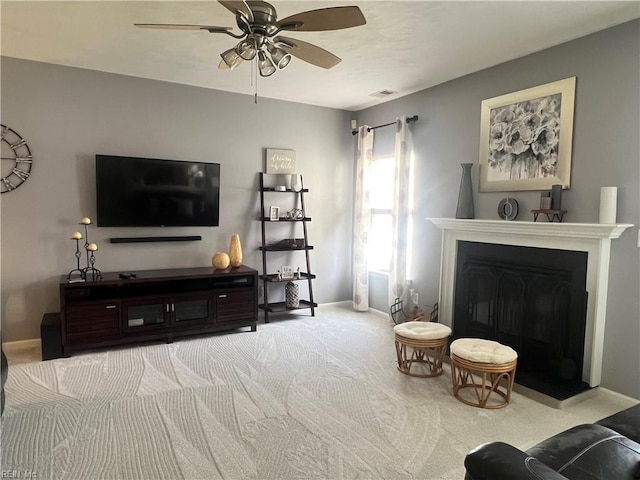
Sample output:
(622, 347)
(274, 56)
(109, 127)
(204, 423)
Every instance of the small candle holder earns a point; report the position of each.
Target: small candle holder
(86, 221)
(90, 272)
(91, 269)
(76, 274)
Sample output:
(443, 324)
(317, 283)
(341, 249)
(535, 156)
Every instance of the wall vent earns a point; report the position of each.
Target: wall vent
(383, 93)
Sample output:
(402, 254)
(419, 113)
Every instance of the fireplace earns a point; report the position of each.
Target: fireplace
(592, 240)
(531, 299)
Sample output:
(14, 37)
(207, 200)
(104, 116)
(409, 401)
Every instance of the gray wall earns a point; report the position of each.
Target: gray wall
(68, 115)
(606, 146)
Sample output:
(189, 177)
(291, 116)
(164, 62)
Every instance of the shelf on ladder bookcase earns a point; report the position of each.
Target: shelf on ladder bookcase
(285, 245)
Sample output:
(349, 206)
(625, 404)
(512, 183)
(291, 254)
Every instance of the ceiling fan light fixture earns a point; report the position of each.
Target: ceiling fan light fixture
(258, 23)
(265, 65)
(247, 49)
(279, 56)
(231, 58)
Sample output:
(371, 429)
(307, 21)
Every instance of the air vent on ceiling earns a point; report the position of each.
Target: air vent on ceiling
(383, 93)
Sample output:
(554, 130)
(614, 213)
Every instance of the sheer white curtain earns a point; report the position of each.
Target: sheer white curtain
(362, 220)
(401, 212)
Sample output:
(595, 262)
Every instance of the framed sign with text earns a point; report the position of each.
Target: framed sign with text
(286, 272)
(280, 161)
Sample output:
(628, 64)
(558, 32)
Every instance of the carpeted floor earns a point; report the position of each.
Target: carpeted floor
(302, 398)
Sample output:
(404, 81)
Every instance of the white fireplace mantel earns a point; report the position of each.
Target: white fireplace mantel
(593, 238)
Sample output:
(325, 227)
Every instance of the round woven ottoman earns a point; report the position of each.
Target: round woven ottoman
(482, 365)
(421, 345)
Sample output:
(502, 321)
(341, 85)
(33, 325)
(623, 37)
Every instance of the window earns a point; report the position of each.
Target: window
(381, 201)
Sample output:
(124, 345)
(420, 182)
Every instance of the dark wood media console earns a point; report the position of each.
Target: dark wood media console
(156, 305)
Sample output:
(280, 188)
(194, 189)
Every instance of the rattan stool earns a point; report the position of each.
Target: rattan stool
(472, 358)
(422, 343)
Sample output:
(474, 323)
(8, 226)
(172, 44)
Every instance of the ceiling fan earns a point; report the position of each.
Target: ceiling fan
(260, 37)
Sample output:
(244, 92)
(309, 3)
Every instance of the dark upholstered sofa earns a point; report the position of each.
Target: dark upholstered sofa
(5, 371)
(606, 450)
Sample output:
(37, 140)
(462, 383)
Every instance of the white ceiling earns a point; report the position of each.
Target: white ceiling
(405, 46)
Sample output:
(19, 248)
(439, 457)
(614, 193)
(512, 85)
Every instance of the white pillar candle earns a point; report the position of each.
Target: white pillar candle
(608, 204)
(86, 221)
(76, 236)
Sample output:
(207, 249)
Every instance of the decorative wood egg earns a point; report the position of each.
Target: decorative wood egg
(220, 260)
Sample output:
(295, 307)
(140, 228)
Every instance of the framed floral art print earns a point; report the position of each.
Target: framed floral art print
(526, 137)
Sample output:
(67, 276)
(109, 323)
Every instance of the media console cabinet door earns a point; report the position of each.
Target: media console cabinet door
(235, 305)
(140, 314)
(191, 309)
(92, 322)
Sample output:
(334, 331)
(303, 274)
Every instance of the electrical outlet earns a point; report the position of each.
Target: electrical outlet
(639, 238)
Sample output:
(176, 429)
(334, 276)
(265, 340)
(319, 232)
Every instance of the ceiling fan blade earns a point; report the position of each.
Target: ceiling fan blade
(235, 6)
(333, 18)
(176, 26)
(308, 52)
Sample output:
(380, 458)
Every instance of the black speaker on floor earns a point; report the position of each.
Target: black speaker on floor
(51, 336)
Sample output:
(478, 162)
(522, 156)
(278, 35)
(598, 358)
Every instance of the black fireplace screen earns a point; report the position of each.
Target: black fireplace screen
(532, 299)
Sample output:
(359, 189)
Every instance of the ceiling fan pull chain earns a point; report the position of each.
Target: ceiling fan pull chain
(254, 79)
(254, 73)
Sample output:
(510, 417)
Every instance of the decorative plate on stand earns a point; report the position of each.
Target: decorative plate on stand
(508, 209)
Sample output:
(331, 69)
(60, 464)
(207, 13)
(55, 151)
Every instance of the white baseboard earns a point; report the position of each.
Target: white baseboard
(342, 303)
(21, 345)
(349, 304)
(619, 395)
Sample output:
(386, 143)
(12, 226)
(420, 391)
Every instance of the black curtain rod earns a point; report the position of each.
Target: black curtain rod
(409, 120)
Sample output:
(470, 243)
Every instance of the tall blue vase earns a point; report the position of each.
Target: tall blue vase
(465, 197)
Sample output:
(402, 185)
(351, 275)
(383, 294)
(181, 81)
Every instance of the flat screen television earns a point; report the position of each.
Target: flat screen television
(145, 192)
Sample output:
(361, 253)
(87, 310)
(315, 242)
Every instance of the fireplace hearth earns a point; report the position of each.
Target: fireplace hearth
(532, 299)
(594, 239)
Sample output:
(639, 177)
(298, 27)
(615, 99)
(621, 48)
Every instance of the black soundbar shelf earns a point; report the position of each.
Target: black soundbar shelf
(189, 238)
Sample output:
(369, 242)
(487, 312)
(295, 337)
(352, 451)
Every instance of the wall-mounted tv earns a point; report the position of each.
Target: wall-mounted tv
(145, 192)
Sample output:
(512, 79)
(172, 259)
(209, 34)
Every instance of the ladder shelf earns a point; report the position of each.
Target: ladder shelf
(285, 245)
